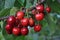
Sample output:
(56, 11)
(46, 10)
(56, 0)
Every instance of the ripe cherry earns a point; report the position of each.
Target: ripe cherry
(24, 31)
(11, 20)
(20, 15)
(31, 22)
(24, 22)
(48, 9)
(17, 22)
(16, 31)
(40, 7)
(39, 16)
(19, 26)
(9, 32)
(37, 28)
(8, 27)
(34, 12)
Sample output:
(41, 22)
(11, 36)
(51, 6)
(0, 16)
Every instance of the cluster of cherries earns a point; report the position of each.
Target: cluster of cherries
(18, 25)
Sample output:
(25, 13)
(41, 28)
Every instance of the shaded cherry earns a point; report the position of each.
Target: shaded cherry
(37, 28)
(24, 31)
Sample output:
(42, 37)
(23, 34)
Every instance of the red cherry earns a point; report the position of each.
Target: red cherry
(16, 31)
(24, 31)
(40, 7)
(34, 12)
(37, 28)
(24, 22)
(11, 20)
(39, 17)
(9, 32)
(17, 22)
(19, 26)
(48, 9)
(8, 27)
(31, 22)
(20, 15)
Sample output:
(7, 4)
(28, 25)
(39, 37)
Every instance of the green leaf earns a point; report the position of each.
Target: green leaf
(2, 4)
(4, 12)
(13, 11)
(51, 24)
(18, 3)
(25, 3)
(55, 6)
(9, 3)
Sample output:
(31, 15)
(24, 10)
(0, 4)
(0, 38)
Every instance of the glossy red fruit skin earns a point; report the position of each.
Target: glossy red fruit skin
(40, 8)
(20, 15)
(48, 9)
(19, 26)
(8, 27)
(37, 28)
(24, 31)
(39, 16)
(16, 31)
(17, 22)
(31, 22)
(11, 20)
(25, 22)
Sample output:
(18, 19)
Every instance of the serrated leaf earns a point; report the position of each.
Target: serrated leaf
(2, 4)
(13, 11)
(9, 3)
(18, 3)
(4, 12)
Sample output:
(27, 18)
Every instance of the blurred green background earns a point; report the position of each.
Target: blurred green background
(51, 23)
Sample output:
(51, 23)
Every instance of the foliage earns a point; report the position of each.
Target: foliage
(51, 25)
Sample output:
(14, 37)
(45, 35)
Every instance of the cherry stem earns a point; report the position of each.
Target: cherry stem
(2, 18)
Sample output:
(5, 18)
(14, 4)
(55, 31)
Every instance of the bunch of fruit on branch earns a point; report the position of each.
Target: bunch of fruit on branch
(18, 25)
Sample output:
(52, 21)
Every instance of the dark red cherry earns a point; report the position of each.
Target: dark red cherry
(11, 20)
(25, 22)
(31, 22)
(20, 15)
(40, 7)
(16, 31)
(48, 9)
(8, 27)
(39, 16)
(24, 31)
(37, 28)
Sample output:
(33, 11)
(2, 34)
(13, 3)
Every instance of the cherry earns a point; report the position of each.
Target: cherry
(37, 28)
(20, 15)
(8, 27)
(39, 16)
(31, 22)
(40, 7)
(11, 20)
(16, 31)
(24, 31)
(34, 12)
(9, 32)
(19, 26)
(48, 9)
(17, 22)
(24, 22)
